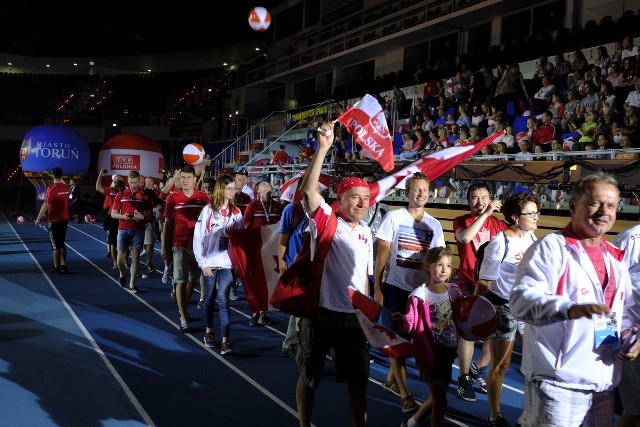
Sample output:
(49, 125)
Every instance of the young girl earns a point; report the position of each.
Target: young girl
(429, 316)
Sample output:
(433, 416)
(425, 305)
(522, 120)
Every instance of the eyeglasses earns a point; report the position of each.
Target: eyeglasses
(531, 214)
(230, 188)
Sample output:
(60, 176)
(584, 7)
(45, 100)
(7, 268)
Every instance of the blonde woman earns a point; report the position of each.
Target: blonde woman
(210, 247)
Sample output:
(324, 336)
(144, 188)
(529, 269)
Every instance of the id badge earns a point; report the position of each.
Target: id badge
(606, 331)
(224, 243)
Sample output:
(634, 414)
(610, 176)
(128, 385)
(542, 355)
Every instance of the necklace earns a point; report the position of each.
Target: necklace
(266, 211)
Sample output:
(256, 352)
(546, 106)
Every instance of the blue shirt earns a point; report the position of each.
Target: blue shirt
(298, 236)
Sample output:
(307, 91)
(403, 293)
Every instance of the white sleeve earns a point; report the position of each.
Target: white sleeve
(493, 253)
(198, 237)
(386, 229)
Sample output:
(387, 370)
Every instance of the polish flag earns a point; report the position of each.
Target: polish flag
(379, 336)
(432, 166)
(254, 254)
(366, 122)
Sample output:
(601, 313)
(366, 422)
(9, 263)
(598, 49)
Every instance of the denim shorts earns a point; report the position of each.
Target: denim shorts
(130, 239)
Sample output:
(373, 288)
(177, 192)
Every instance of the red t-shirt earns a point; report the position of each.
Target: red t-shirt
(57, 199)
(109, 197)
(184, 211)
(281, 157)
(260, 213)
(127, 203)
(467, 252)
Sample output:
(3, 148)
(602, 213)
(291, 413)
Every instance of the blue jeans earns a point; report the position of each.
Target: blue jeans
(222, 280)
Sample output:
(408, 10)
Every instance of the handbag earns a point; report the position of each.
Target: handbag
(298, 289)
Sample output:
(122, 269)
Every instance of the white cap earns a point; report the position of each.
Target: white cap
(113, 177)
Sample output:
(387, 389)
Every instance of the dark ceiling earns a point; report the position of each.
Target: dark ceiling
(104, 28)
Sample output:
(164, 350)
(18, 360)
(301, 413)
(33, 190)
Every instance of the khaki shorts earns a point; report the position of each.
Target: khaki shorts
(150, 232)
(185, 266)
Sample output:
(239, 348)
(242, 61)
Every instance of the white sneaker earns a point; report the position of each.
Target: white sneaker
(166, 277)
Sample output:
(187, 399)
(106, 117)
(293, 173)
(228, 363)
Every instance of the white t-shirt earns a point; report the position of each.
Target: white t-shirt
(348, 263)
(503, 273)
(410, 240)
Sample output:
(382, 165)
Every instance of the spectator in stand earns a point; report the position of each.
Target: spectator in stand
(501, 149)
(561, 71)
(607, 99)
(570, 108)
(443, 136)
(594, 76)
(556, 108)
(442, 117)
(418, 146)
(513, 89)
(474, 134)
(463, 136)
(603, 61)
(588, 101)
(543, 135)
(477, 115)
(604, 143)
(263, 210)
(629, 50)
(525, 149)
(587, 130)
(556, 145)
(508, 137)
(542, 97)
(460, 89)
(580, 62)
(56, 210)
(543, 68)
(629, 79)
(626, 142)
(281, 157)
(617, 52)
(630, 121)
(454, 135)
(633, 99)
(463, 118)
(615, 74)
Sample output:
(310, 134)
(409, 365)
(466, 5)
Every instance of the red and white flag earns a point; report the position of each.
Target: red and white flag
(366, 122)
(379, 336)
(433, 166)
(254, 254)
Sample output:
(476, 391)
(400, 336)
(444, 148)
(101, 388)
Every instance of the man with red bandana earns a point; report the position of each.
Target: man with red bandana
(348, 264)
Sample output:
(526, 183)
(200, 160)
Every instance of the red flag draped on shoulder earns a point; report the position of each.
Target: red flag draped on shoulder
(254, 254)
(366, 122)
(433, 166)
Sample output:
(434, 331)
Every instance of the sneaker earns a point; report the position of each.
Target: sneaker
(54, 270)
(232, 294)
(500, 421)
(123, 282)
(184, 326)
(133, 289)
(478, 376)
(209, 340)
(64, 270)
(392, 387)
(226, 347)
(166, 277)
(409, 405)
(253, 321)
(264, 320)
(465, 388)
(201, 304)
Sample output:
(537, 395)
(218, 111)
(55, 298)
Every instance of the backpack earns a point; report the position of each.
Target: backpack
(480, 255)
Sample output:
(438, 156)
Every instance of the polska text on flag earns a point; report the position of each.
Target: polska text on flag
(368, 125)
